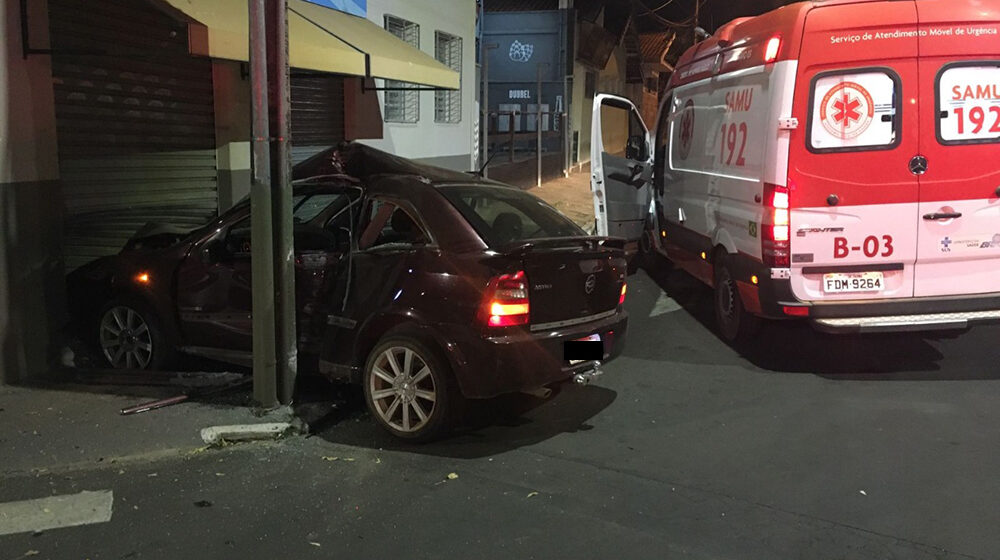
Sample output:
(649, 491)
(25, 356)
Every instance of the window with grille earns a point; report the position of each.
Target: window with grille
(400, 105)
(448, 104)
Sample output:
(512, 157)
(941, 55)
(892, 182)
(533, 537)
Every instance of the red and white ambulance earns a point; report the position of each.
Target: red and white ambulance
(834, 160)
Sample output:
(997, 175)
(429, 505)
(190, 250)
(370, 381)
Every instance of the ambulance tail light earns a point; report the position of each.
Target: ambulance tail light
(774, 240)
(772, 49)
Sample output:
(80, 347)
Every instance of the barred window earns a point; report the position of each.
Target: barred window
(448, 104)
(402, 106)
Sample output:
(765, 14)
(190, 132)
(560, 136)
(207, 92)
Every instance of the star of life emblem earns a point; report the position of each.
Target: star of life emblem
(847, 110)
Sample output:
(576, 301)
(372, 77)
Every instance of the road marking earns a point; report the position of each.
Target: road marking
(665, 304)
(71, 510)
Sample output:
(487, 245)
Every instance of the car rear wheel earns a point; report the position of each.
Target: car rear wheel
(736, 326)
(409, 389)
(130, 336)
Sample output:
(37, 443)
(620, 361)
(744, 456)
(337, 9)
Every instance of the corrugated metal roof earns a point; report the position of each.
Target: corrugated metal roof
(652, 45)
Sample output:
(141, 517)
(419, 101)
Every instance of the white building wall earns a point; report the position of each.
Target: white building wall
(446, 144)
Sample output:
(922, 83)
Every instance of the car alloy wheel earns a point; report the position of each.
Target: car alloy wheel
(125, 338)
(402, 389)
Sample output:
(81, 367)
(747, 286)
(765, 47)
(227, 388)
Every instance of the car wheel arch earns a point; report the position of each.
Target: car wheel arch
(381, 325)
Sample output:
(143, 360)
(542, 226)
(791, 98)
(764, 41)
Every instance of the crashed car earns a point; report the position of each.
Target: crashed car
(426, 286)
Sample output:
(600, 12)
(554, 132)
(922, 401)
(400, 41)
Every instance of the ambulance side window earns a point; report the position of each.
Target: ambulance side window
(622, 132)
(968, 99)
(855, 110)
(662, 144)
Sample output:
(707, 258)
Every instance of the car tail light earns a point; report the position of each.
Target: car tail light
(621, 298)
(505, 303)
(774, 239)
(771, 49)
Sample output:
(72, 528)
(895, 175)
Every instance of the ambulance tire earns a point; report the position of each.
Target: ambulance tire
(736, 326)
(649, 258)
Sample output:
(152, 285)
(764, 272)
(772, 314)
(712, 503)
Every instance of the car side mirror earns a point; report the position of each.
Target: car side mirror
(635, 149)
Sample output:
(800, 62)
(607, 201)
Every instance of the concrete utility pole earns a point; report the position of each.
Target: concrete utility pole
(265, 391)
(279, 102)
(272, 254)
(485, 122)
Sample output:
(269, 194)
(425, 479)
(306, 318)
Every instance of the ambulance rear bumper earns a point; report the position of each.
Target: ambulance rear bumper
(896, 315)
(902, 323)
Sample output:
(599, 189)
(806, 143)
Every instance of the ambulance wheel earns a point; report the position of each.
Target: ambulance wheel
(736, 326)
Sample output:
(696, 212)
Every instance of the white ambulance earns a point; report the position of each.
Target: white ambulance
(833, 160)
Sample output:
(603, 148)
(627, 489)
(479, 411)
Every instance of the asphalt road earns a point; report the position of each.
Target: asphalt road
(810, 446)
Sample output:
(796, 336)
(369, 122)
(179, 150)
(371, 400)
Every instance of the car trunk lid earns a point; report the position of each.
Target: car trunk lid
(572, 280)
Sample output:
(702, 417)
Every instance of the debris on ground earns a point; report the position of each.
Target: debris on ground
(530, 494)
(452, 476)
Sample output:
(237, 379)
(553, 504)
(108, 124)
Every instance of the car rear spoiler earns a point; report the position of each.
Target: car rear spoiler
(584, 241)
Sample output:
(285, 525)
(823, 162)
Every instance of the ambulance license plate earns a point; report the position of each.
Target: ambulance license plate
(853, 282)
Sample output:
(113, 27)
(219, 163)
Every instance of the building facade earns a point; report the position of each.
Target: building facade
(436, 127)
(118, 113)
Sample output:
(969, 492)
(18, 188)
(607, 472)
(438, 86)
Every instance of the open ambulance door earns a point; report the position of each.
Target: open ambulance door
(621, 168)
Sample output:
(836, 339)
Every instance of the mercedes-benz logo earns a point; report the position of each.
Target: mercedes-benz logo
(590, 284)
(918, 165)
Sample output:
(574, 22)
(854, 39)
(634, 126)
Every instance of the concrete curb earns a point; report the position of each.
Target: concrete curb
(215, 435)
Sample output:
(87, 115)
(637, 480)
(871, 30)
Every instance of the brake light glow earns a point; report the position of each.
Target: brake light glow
(774, 239)
(505, 302)
(142, 278)
(772, 49)
(621, 298)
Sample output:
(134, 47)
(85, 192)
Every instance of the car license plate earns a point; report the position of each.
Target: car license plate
(853, 282)
(585, 344)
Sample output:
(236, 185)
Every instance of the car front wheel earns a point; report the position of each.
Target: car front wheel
(130, 336)
(409, 389)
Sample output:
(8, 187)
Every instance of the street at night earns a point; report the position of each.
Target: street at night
(683, 449)
(499, 279)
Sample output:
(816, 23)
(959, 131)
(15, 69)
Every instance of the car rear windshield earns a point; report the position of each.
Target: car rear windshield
(503, 216)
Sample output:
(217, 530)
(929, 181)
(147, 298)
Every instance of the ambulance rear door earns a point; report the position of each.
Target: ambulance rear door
(959, 236)
(853, 162)
(621, 168)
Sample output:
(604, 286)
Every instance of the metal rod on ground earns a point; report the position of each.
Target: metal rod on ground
(286, 351)
(262, 251)
(485, 123)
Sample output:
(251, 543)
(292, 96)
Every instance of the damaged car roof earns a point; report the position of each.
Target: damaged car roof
(366, 163)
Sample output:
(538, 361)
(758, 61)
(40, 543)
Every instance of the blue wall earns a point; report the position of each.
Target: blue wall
(353, 7)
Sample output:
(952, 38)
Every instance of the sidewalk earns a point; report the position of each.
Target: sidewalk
(571, 196)
(53, 427)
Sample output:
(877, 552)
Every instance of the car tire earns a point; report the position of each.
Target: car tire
(131, 336)
(410, 389)
(735, 324)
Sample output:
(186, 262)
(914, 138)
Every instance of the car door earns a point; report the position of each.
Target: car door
(852, 192)
(372, 279)
(959, 225)
(214, 283)
(214, 291)
(621, 168)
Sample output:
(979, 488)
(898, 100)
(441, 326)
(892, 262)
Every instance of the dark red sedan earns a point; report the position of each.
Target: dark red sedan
(427, 286)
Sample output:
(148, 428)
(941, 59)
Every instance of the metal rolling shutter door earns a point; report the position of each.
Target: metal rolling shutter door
(317, 113)
(135, 124)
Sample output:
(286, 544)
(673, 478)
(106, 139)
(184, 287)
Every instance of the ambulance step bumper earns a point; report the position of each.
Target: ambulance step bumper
(898, 323)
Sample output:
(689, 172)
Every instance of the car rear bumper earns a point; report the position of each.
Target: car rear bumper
(488, 366)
